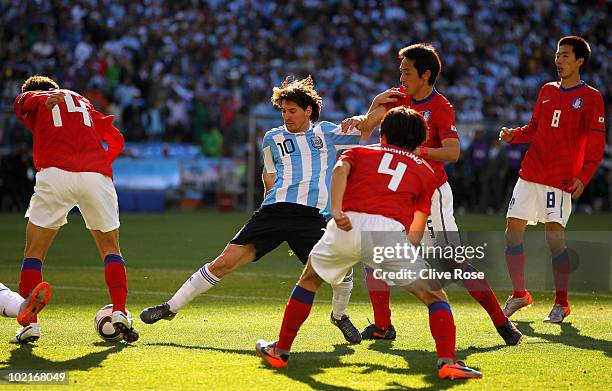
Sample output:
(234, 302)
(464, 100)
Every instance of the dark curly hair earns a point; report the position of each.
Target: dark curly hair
(38, 83)
(301, 92)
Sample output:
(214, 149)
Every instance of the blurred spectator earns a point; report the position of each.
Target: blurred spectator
(16, 179)
(514, 156)
(154, 121)
(460, 178)
(173, 70)
(211, 142)
(201, 120)
(496, 54)
(177, 122)
(493, 179)
(478, 156)
(96, 96)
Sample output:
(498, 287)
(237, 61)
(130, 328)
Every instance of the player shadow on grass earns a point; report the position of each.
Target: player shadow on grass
(23, 357)
(304, 366)
(570, 336)
(421, 362)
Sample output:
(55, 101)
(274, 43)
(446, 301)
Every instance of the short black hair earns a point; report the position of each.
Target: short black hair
(301, 92)
(425, 58)
(403, 127)
(580, 45)
(38, 83)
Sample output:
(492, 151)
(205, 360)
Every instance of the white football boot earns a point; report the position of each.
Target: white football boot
(123, 325)
(27, 334)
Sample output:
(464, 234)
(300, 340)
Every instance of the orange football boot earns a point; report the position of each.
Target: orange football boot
(35, 302)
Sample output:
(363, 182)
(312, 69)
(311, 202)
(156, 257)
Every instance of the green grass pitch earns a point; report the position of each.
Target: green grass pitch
(210, 344)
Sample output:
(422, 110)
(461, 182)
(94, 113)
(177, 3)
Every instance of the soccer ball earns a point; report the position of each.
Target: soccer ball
(104, 327)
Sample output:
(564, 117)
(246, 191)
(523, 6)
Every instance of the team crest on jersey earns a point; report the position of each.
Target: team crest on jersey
(426, 114)
(316, 142)
(577, 103)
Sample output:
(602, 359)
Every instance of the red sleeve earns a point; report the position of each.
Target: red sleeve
(596, 139)
(26, 105)
(445, 122)
(109, 133)
(349, 156)
(525, 133)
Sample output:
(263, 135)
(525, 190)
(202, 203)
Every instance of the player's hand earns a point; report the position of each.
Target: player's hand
(54, 99)
(389, 96)
(506, 135)
(342, 220)
(576, 188)
(353, 122)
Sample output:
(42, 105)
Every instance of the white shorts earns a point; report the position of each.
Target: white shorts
(539, 203)
(441, 227)
(57, 191)
(335, 254)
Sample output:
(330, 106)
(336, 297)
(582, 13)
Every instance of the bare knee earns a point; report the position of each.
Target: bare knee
(232, 258)
(35, 251)
(107, 242)
(38, 241)
(309, 279)
(430, 297)
(515, 231)
(428, 291)
(555, 237)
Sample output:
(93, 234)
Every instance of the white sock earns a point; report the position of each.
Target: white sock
(199, 282)
(10, 302)
(342, 295)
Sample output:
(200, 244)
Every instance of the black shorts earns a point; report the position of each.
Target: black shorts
(299, 225)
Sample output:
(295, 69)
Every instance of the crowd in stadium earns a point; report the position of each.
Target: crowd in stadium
(193, 71)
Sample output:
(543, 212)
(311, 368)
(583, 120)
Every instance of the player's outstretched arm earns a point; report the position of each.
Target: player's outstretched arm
(449, 152)
(520, 135)
(524, 134)
(362, 123)
(338, 186)
(506, 135)
(365, 123)
(379, 107)
(390, 96)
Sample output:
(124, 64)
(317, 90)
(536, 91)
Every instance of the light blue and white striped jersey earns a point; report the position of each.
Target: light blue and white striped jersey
(303, 162)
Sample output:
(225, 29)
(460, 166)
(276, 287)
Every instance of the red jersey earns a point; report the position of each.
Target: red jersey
(567, 133)
(70, 135)
(389, 181)
(440, 117)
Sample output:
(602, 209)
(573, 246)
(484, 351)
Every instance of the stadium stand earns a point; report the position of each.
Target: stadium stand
(194, 71)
